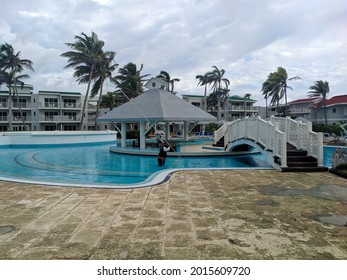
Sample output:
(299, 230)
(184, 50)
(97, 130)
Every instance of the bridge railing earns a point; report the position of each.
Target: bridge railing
(301, 136)
(262, 132)
(220, 132)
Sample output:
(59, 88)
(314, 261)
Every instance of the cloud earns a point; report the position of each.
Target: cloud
(247, 38)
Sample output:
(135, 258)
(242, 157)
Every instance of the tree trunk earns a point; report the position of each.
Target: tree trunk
(86, 98)
(205, 99)
(10, 111)
(325, 113)
(218, 107)
(267, 114)
(98, 106)
(286, 109)
(19, 106)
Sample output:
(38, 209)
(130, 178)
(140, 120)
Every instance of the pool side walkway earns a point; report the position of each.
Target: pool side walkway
(219, 214)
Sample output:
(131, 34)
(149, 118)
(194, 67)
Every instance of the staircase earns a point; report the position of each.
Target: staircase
(299, 161)
(219, 143)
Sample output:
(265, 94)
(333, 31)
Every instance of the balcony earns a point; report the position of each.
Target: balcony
(17, 119)
(66, 119)
(49, 105)
(241, 108)
(71, 106)
(294, 111)
(22, 105)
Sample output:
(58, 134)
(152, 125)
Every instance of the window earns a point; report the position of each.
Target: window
(51, 102)
(3, 117)
(3, 128)
(49, 116)
(197, 104)
(70, 103)
(334, 110)
(3, 103)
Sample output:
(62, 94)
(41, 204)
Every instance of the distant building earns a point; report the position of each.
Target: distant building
(236, 108)
(311, 109)
(45, 110)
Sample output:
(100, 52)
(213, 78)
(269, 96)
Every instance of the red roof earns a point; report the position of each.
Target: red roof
(340, 99)
(304, 100)
(335, 100)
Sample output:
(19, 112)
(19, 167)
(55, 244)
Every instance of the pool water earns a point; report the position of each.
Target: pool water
(95, 165)
(328, 154)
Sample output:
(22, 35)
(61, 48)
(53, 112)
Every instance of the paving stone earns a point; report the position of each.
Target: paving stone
(210, 214)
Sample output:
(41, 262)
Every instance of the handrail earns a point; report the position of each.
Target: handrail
(301, 136)
(220, 132)
(265, 133)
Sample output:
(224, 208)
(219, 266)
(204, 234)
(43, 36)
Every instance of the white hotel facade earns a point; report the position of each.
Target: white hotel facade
(44, 111)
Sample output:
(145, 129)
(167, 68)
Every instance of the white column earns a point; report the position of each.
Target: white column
(185, 130)
(142, 135)
(167, 131)
(123, 135)
(320, 158)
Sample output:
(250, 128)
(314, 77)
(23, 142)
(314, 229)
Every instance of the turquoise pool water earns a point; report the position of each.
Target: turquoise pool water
(95, 165)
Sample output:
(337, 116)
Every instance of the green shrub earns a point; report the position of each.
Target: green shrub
(330, 128)
(212, 127)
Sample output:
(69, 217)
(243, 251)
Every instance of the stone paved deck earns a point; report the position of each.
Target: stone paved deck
(246, 214)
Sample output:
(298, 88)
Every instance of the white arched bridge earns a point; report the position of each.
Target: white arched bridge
(288, 145)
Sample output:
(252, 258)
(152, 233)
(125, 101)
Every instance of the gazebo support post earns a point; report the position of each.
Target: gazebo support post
(185, 130)
(167, 131)
(142, 135)
(123, 135)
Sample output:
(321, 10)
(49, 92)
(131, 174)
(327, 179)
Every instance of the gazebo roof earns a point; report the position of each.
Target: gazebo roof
(156, 105)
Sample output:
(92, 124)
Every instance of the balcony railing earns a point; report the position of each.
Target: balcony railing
(19, 119)
(66, 119)
(57, 119)
(21, 105)
(300, 110)
(71, 106)
(3, 105)
(241, 108)
(53, 105)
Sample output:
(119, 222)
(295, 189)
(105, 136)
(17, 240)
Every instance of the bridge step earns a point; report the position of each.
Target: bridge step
(299, 161)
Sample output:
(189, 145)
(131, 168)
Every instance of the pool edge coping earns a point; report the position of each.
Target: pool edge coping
(155, 179)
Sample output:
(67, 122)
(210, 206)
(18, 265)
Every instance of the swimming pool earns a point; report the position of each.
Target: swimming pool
(94, 165)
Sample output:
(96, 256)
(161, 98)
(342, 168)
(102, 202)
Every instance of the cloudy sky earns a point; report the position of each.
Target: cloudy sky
(247, 38)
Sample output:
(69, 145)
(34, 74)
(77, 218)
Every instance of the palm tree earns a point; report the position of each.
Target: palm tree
(108, 100)
(270, 90)
(320, 89)
(103, 71)
(276, 87)
(130, 81)
(165, 76)
(11, 65)
(283, 77)
(219, 86)
(204, 80)
(246, 96)
(85, 55)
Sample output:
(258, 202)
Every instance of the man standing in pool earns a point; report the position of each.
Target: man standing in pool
(163, 149)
